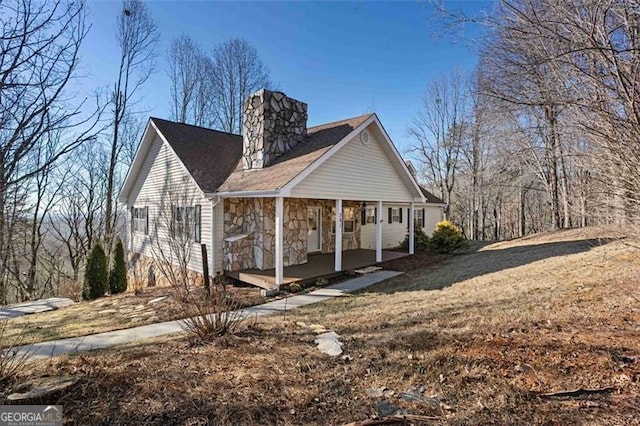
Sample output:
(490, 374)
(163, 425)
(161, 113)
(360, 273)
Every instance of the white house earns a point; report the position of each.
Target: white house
(279, 196)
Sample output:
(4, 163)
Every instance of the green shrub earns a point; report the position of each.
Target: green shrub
(446, 238)
(420, 239)
(96, 278)
(295, 288)
(118, 273)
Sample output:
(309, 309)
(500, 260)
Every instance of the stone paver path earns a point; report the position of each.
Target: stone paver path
(128, 335)
(34, 307)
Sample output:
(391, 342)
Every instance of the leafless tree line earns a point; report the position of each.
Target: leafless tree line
(63, 157)
(208, 89)
(545, 134)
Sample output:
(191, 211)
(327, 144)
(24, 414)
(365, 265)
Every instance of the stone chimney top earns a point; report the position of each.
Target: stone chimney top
(272, 124)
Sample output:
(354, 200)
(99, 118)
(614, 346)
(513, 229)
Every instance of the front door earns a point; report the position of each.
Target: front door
(313, 229)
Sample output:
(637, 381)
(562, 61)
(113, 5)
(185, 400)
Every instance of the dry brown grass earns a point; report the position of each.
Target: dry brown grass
(485, 332)
(108, 314)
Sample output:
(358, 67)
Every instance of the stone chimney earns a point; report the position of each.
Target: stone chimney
(272, 125)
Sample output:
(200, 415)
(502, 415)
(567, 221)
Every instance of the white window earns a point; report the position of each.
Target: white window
(140, 220)
(348, 220)
(186, 222)
(418, 218)
(395, 215)
(371, 215)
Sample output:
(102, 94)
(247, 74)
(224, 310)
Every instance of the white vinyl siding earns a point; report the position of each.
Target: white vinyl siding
(432, 215)
(394, 233)
(357, 172)
(161, 183)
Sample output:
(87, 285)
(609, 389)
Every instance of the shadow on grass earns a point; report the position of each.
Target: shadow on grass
(474, 263)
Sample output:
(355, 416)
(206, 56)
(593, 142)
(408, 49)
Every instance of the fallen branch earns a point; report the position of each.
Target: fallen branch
(392, 420)
(577, 392)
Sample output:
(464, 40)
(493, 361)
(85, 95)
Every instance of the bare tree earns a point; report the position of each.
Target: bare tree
(79, 222)
(569, 74)
(237, 72)
(39, 56)
(186, 71)
(137, 36)
(207, 312)
(438, 131)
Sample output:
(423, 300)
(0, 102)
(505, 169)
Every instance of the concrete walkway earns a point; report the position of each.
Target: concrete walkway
(34, 307)
(128, 335)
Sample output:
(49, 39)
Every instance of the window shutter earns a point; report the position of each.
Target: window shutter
(131, 222)
(390, 215)
(363, 215)
(409, 217)
(197, 223)
(146, 225)
(400, 213)
(375, 214)
(423, 218)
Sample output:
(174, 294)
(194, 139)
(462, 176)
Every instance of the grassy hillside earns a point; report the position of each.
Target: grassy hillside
(477, 338)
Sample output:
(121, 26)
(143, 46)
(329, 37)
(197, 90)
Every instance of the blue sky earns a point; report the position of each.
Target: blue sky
(341, 58)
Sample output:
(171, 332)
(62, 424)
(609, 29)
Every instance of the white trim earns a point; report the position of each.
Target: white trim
(338, 237)
(430, 204)
(184, 168)
(136, 164)
(279, 259)
(213, 255)
(319, 209)
(324, 157)
(412, 214)
(399, 158)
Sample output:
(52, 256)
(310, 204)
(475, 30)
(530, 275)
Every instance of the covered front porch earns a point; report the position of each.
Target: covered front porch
(317, 266)
(273, 241)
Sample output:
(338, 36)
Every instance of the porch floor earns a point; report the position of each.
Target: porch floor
(317, 266)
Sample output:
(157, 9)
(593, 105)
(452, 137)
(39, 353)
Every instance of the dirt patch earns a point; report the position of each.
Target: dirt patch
(414, 265)
(506, 325)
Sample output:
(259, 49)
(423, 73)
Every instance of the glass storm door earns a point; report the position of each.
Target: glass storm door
(313, 229)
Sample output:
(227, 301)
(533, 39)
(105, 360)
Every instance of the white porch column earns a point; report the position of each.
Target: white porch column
(411, 229)
(129, 230)
(338, 265)
(379, 232)
(279, 241)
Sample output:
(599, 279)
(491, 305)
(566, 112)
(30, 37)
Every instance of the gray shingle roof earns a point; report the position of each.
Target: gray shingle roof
(209, 155)
(430, 197)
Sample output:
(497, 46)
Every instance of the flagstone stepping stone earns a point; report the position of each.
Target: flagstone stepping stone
(108, 311)
(39, 388)
(157, 299)
(318, 328)
(329, 343)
